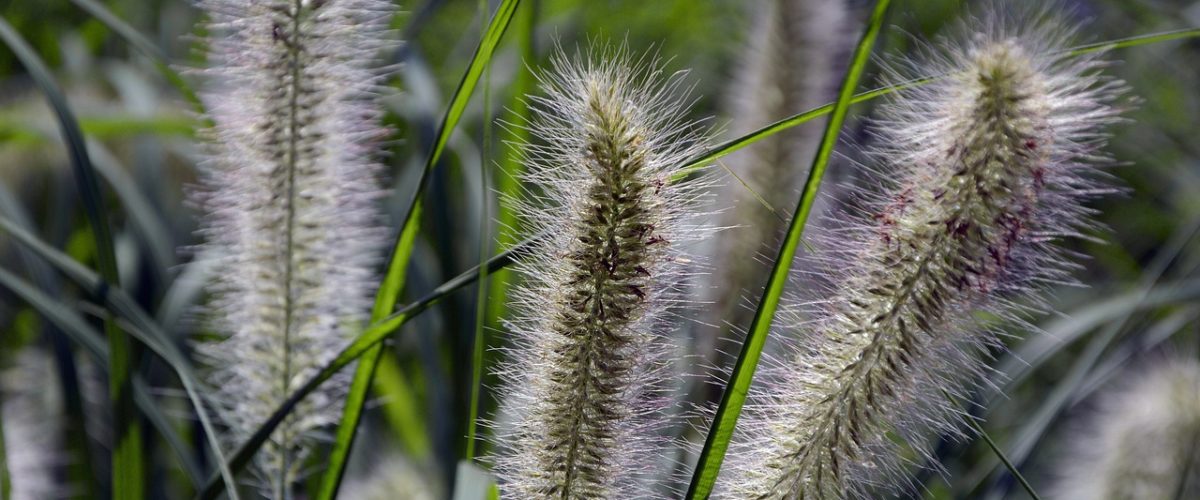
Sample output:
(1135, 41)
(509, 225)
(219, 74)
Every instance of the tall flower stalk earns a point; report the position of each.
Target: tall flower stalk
(289, 193)
(587, 367)
(985, 169)
(1144, 442)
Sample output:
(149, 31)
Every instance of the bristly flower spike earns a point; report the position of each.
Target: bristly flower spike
(985, 169)
(1144, 442)
(586, 371)
(289, 193)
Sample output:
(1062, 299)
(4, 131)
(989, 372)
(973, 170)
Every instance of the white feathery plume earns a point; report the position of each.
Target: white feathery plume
(32, 426)
(983, 170)
(1144, 442)
(584, 379)
(289, 196)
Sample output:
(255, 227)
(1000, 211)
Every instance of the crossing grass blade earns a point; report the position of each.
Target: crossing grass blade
(394, 279)
(128, 464)
(734, 396)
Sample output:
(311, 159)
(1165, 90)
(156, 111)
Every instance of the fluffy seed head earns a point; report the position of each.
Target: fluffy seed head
(289, 193)
(984, 168)
(1144, 443)
(598, 290)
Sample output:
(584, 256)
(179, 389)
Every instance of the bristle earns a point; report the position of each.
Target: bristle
(985, 169)
(598, 294)
(289, 196)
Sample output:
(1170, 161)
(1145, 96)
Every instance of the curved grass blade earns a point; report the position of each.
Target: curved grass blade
(734, 396)
(128, 465)
(78, 329)
(372, 336)
(389, 290)
(144, 45)
(143, 328)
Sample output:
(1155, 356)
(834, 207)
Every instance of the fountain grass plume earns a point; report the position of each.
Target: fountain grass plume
(1143, 442)
(30, 414)
(586, 371)
(982, 172)
(289, 193)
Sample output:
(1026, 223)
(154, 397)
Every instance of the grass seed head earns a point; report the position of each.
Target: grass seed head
(584, 378)
(985, 168)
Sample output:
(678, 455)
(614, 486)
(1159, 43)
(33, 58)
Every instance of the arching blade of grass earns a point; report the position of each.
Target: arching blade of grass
(393, 282)
(734, 396)
(145, 46)
(68, 321)
(128, 465)
(142, 327)
(372, 336)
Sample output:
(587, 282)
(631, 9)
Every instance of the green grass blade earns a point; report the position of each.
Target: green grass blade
(363, 375)
(1135, 41)
(142, 326)
(734, 396)
(401, 409)
(145, 46)
(370, 337)
(393, 283)
(128, 465)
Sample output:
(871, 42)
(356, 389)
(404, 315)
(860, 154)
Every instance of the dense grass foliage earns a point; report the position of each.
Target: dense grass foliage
(963, 249)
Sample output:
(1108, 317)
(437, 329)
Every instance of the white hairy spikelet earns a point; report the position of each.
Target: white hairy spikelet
(289, 197)
(983, 170)
(790, 65)
(30, 413)
(584, 376)
(1144, 442)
